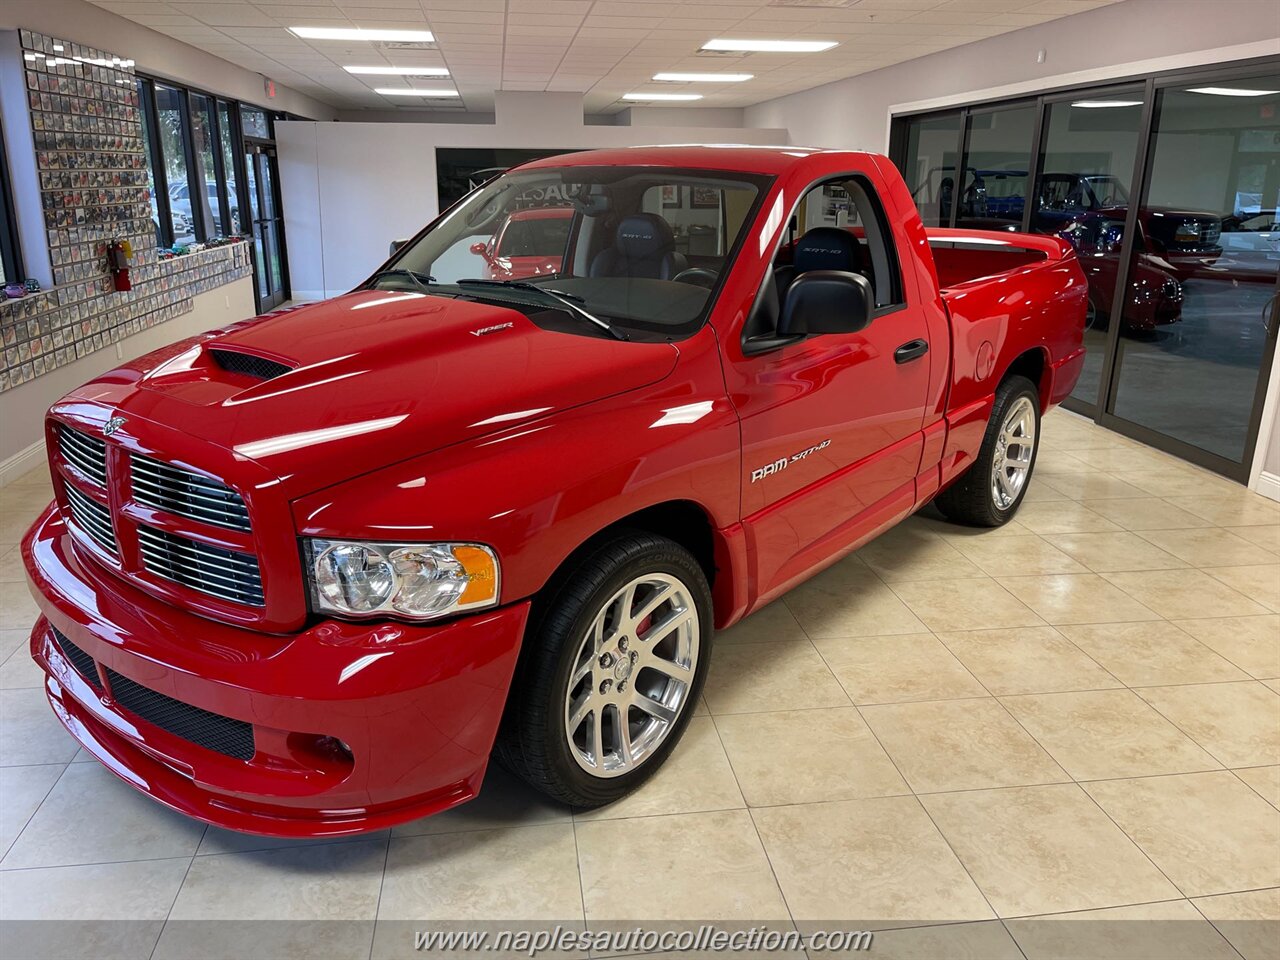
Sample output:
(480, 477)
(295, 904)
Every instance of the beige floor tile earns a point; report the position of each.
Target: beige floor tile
(1183, 482)
(22, 790)
(701, 864)
(849, 600)
(1127, 459)
(909, 553)
(1259, 583)
(1148, 514)
(978, 940)
(882, 863)
(1099, 486)
(1042, 490)
(12, 641)
(1106, 552)
(1265, 782)
(1266, 536)
(1209, 547)
(1239, 723)
(960, 745)
(1208, 832)
(1153, 652)
(1182, 594)
(1009, 556)
(1073, 517)
(1026, 660)
(313, 901)
(807, 756)
(893, 669)
(504, 801)
(11, 565)
(1100, 734)
(1251, 921)
(17, 610)
(105, 910)
(526, 873)
(1272, 684)
(773, 624)
(29, 731)
(1172, 930)
(759, 677)
(217, 841)
(127, 825)
(19, 671)
(957, 604)
(1251, 643)
(1047, 849)
(696, 777)
(1242, 509)
(1076, 598)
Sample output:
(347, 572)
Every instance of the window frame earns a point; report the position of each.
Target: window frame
(10, 248)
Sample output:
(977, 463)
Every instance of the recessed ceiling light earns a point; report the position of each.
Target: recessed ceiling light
(771, 46)
(400, 71)
(359, 33)
(703, 77)
(414, 92)
(662, 96)
(1103, 104)
(1232, 92)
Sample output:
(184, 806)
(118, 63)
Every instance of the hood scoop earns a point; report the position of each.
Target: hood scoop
(248, 364)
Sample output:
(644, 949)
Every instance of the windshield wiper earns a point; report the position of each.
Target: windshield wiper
(420, 280)
(570, 301)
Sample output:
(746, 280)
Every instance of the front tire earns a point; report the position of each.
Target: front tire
(991, 490)
(613, 664)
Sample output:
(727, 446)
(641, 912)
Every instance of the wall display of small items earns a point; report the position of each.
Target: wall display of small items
(92, 168)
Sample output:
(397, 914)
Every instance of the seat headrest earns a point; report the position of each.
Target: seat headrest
(644, 236)
(827, 248)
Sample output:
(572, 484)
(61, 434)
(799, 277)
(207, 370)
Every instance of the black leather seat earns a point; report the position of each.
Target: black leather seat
(643, 246)
(822, 248)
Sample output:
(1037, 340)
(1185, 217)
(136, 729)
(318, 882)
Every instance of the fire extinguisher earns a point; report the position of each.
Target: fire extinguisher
(118, 256)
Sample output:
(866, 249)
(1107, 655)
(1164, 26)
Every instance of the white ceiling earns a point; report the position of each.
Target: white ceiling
(602, 48)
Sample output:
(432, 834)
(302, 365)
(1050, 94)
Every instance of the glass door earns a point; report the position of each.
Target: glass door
(1087, 164)
(267, 224)
(1197, 333)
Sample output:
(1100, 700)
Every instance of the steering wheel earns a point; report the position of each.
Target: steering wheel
(698, 276)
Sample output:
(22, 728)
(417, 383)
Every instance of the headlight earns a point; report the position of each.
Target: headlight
(412, 581)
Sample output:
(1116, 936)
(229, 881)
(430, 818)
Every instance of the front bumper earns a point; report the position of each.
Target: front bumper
(415, 708)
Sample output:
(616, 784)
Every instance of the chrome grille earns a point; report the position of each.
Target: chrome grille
(191, 495)
(220, 573)
(87, 454)
(93, 518)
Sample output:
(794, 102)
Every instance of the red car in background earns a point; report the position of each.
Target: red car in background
(1155, 291)
(530, 243)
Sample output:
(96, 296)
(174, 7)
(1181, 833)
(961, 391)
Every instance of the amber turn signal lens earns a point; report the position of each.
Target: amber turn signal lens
(482, 575)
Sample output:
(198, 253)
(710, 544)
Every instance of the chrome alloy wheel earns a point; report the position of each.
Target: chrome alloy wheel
(632, 675)
(1014, 449)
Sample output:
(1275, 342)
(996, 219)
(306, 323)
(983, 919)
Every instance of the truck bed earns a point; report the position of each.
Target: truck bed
(966, 256)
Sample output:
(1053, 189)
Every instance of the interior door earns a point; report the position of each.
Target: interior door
(831, 424)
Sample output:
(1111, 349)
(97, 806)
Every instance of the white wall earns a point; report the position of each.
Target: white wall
(1124, 39)
(155, 53)
(349, 189)
(23, 407)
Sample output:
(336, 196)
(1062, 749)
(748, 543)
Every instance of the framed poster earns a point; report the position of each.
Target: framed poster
(704, 198)
(670, 197)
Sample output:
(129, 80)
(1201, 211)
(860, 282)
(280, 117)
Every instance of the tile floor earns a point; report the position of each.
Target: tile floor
(1056, 739)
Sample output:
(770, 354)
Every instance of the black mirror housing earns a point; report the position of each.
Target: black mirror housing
(826, 301)
(396, 245)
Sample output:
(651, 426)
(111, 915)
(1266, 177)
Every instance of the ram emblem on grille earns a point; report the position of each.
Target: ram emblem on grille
(112, 425)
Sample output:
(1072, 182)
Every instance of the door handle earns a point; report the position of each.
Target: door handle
(911, 350)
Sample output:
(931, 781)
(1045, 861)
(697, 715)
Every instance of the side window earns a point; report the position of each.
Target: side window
(850, 204)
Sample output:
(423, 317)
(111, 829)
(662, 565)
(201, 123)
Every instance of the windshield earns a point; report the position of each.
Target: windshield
(643, 248)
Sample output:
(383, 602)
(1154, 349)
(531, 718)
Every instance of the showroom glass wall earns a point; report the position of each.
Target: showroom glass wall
(10, 259)
(201, 151)
(1182, 283)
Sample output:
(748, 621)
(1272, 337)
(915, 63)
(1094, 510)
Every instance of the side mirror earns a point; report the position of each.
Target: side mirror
(826, 301)
(480, 248)
(396, 245)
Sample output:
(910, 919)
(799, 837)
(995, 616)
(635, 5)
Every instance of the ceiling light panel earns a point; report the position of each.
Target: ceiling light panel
(369, 34)
(1232, 92)
(703, 77)
(413, 92)
(399, 71)
(662, 96)
(769, 46)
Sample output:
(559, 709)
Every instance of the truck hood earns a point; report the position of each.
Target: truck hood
(322, 393)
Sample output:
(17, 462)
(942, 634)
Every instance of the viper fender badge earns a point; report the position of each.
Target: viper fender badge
(494, 329)
(783, 462)
(112, 425)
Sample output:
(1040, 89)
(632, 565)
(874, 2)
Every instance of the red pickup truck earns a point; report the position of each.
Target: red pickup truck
(304, 575)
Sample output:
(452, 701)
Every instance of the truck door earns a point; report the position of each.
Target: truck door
(831, 424)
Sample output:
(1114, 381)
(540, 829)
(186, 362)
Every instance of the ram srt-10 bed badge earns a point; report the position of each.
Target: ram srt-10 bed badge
(307, 574)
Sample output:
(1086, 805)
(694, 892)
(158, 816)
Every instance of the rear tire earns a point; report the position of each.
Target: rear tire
(989, 493)
(614, 660)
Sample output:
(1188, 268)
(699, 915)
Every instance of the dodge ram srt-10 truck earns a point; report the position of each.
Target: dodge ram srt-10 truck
(306, 574)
